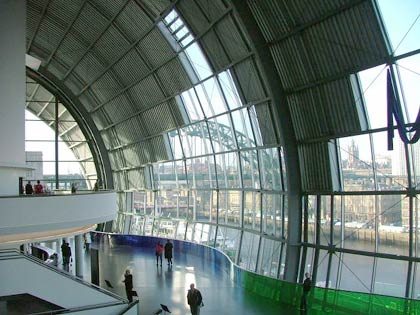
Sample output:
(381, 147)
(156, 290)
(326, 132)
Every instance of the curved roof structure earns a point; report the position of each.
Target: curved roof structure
(222, 106)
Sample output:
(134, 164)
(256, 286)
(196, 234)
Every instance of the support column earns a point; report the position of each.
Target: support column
(12, 94)
(78, 248)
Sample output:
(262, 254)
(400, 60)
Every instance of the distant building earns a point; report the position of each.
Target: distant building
(34, 160)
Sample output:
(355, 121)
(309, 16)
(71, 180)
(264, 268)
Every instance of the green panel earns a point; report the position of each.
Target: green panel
(323, 301)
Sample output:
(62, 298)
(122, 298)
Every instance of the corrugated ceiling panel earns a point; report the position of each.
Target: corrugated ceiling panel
(33, 16)
(119, 108)
(119, 180)
(133, 22)
(100, 119)
(173, 77)
(156, 7)
(89, 68)
(272, 17)
(325, 110)
(266, 126)
(193, 16)
(309, 119)
(131, 156)
(109, 139)
(155, 49)
(348, 47)
(231, 39)
(315, 168)
(108, 8)
(70, 50)
(111, 45)
(161, 113)
(142, 151)
(49, 34)
(89, 100)
(306, 11)
(249, 81)
(105, 87)
(130, 130)
(116, 160)
(214, 50)
(74, 83)
(159, 149)
(136, 179)
(89, 19)
(57, 69)
(130, 68)
(146, 93)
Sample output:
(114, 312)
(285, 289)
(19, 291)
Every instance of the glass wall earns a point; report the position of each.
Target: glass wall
(226, 185)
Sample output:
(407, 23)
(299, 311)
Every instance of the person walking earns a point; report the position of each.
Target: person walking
(168, 252)
(159, 253)
(66, 253)
(128, 281)
(194, 299)
(307, 285)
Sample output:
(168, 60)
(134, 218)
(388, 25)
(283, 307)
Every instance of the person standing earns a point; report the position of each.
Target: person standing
(128, 281)
(307, 285)
(159, 253)
(168, 252)
(29, 189)
(39, 189)
(194, 299)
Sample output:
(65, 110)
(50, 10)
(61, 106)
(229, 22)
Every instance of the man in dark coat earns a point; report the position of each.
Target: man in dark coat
(194, 299)
(128, 281)
(168, 251)
(307, 285)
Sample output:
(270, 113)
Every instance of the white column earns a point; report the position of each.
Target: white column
(12, 94)
(78, 248)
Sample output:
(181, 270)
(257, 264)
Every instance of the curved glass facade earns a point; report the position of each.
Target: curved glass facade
(214, 170)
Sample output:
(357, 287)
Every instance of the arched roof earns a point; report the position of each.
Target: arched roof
(117, 61)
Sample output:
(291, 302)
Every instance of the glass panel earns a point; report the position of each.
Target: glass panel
(324, 220)
(252, 210)
(359, 222)
(223, 138)
(228, 170)
(192, 105)
(270, 169)
(393, 224)
(176, 146)
(322, 274)
(198, 61)
(229, 90)
(228, 241)
(402, 24)
(143, 202)
(201, 172)
(390, 283)
(229, 207)
(204, 205)
(356, 163)
(249, 251)
(181, 230)
(356, 273)
(269, 258)
(243, 130)
(250, 171)
(255, 126)
(312, 204)
(137, 224)
(272, 207)
(148, 226)
(391, 167)
(215, 97)
(373, 84)
(195, 140)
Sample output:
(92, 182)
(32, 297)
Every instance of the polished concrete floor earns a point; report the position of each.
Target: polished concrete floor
(168, 285)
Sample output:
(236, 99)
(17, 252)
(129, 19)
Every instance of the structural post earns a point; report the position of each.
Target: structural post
(78, 248)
